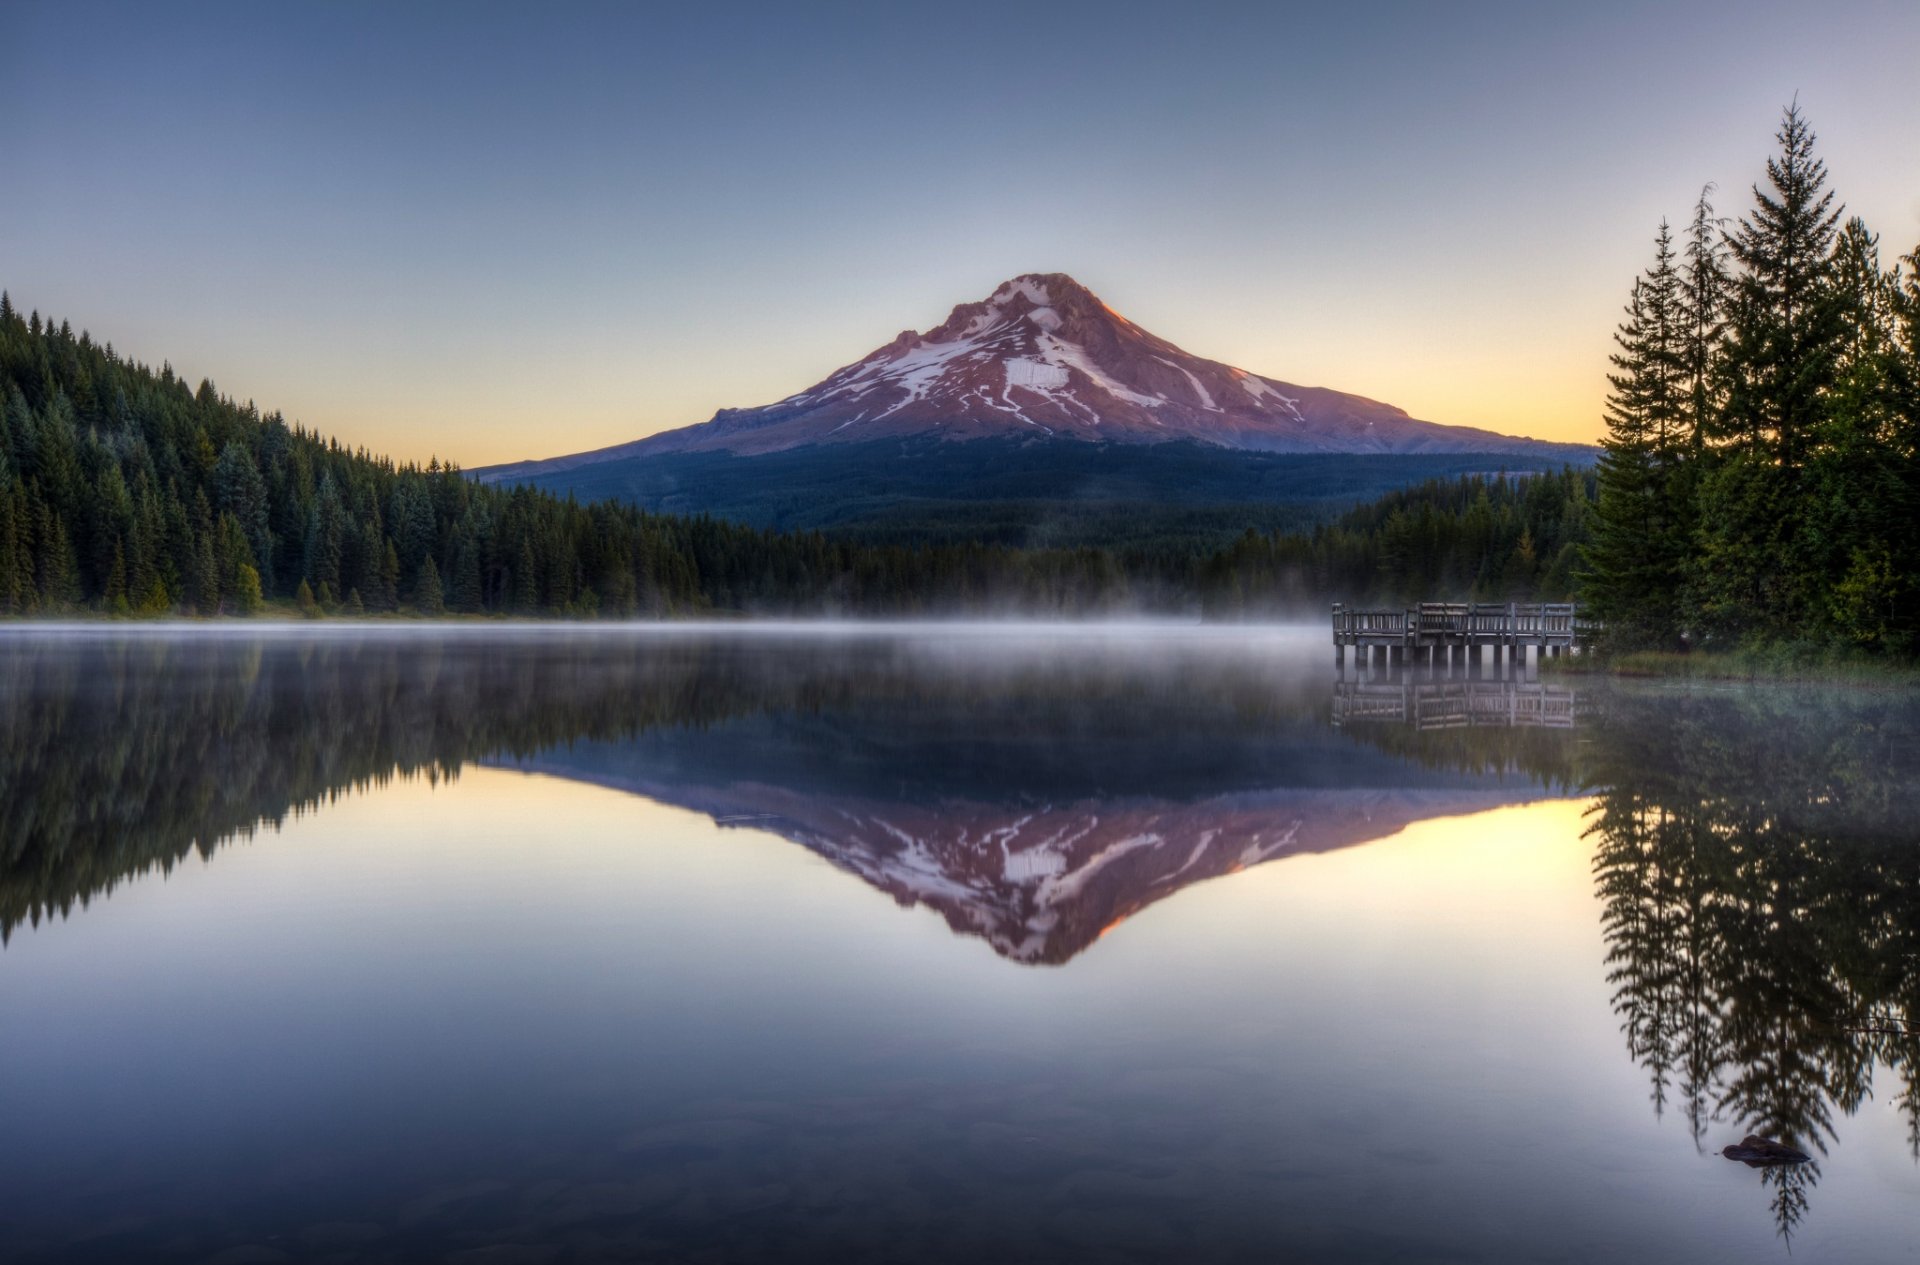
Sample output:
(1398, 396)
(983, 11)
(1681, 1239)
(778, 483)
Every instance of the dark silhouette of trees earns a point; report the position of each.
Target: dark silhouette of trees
(1763, 450)
(1761, 900)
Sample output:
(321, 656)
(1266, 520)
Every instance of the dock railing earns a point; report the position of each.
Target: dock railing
(1469, 624)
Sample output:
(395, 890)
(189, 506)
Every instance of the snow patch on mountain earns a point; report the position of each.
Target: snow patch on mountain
(1029, 288)
(1046, 318)
(1068, 355)
(1038, 375)
(1206, 398)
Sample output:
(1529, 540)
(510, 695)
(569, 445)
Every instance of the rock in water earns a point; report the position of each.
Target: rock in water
(1757, 1152)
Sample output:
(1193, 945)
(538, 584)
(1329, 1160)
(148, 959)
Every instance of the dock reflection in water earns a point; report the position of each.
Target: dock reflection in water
(1454, 704)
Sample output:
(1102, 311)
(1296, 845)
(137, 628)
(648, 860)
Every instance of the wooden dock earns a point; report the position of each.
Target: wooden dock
(1449, 634)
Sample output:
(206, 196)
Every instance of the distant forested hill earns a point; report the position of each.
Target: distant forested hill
(124, 491)
(1473, 537)
(1024, 492)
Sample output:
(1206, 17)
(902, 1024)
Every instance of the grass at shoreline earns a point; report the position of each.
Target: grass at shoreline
(1739, 666)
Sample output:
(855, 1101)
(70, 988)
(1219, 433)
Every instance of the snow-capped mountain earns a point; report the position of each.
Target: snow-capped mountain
(1043, 357)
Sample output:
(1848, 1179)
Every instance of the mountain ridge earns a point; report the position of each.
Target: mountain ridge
(1044, 357)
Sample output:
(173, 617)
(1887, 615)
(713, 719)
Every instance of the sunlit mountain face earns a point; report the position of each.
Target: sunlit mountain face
(1044, 357)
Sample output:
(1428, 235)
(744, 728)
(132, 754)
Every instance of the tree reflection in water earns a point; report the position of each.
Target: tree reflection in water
(1756, 860)
(1758, 867)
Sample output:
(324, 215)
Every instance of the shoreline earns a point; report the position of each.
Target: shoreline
(1735, 667)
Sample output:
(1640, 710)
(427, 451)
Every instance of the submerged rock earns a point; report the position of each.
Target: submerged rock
(1757, 1152)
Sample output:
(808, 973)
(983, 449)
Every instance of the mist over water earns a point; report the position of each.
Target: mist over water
(946, 941)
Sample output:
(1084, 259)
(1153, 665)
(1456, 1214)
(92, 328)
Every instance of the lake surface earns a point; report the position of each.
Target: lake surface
(952, 944)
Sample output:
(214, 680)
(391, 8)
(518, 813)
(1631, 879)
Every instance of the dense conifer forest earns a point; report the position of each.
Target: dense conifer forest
(1761, 477)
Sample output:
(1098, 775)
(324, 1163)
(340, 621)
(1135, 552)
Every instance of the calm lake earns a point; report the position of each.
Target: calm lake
(950, 943)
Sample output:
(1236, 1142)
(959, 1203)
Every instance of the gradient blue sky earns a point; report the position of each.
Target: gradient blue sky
(499, 231)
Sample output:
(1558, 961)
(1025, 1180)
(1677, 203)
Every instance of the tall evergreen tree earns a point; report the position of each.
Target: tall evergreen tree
(1634, 566)
(1703, 303)
(426, 590)
(240, 491)
(1787, 322)
(1759, 569)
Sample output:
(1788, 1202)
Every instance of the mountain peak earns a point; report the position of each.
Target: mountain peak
(1044, 357)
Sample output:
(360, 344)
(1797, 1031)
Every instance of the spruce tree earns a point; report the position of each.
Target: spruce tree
(1786, 325)
(387, 593)
(245, 592)
(1860, 503)
(427, 595)
(1634, 566)
(1758, 569)
(240, 491)
(466, 592)
(1703, 307)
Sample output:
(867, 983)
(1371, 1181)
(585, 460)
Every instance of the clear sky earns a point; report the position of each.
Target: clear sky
(498, 231)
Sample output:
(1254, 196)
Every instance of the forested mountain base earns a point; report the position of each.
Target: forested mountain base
(125, 492)
(1761, 480)
(1024, 492)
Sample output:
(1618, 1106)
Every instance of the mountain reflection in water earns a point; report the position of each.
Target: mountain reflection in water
(1032, 801)
(1754, 852)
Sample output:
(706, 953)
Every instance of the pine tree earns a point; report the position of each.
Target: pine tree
(1703, 308)
(466, 593)
(245, 591)
(1634, 567)
(387, 595)
(1860, 500)
(57, 569)
(526, 584)
(240, 491)
(16, 565)
(114, 595)
(1786, 324)
(203, 575)
(1758, 570)
(427, 595)
(239, 577)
